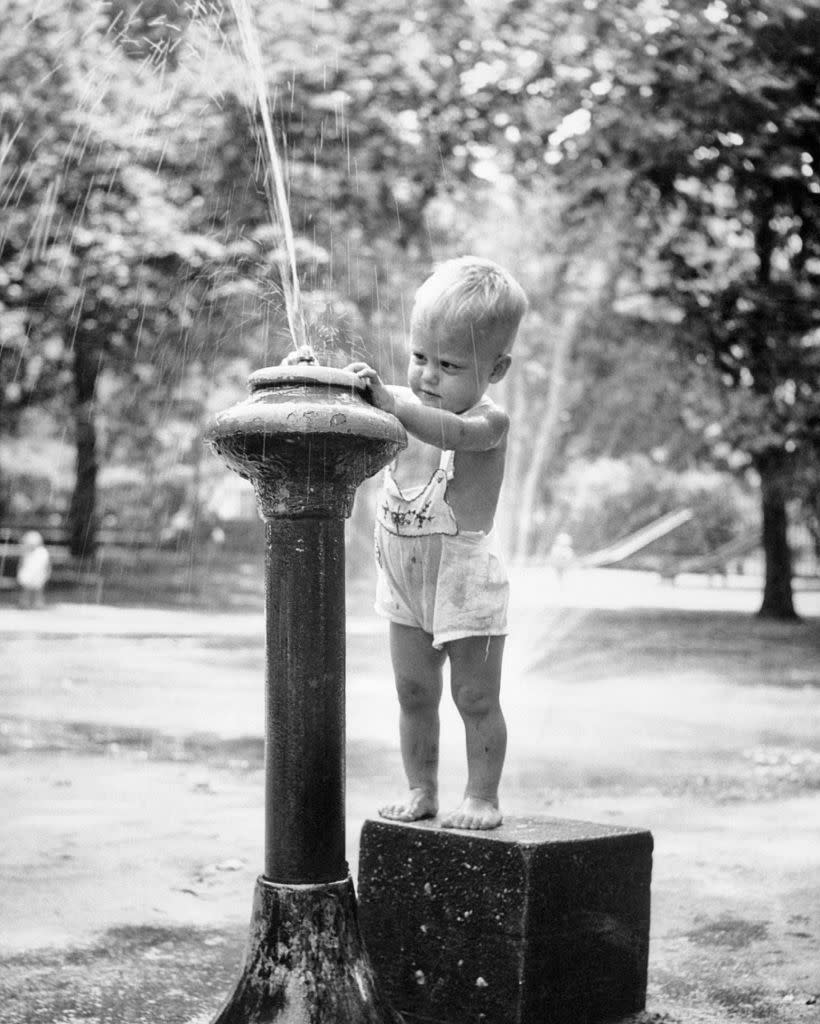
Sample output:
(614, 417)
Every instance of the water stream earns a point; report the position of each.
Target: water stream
(275, 179)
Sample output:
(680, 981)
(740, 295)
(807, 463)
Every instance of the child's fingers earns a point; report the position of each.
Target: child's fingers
(303, 354)
(368, 375)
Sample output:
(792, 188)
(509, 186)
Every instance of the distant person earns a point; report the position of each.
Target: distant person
(440, 581)
(561, 554)
(33, 571)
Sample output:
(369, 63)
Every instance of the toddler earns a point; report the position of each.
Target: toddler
(440, 582)
(33, 570)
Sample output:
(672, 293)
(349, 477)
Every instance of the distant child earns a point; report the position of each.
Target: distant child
(33, 571)
(440, 582)
(561, 554)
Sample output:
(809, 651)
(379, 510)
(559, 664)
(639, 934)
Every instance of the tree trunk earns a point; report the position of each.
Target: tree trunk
(82, 513)
(773, 468)
(541, 444)
(509, 394)
(585, 282)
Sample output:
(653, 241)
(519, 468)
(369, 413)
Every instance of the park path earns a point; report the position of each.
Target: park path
(132, 788)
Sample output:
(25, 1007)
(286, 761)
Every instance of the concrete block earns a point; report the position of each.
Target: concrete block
(541, 921)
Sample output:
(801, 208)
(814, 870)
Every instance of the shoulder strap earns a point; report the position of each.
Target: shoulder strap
(447, 462)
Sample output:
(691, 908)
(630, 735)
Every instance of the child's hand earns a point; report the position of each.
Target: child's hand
(380, 394)
(303, 355)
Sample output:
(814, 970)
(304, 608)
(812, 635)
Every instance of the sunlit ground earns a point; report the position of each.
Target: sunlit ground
(132, 784)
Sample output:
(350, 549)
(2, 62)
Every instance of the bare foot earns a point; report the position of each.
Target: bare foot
(419, 803)
(474, 813)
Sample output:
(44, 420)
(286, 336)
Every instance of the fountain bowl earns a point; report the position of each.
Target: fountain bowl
(306, 437)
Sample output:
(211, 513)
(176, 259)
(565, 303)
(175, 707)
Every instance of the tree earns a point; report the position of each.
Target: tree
(108, 255)
(705, 118)
(85, 245)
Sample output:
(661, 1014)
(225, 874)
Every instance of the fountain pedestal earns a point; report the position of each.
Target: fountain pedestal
(306, 438)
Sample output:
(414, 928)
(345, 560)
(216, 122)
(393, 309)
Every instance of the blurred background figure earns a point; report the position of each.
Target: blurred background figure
(33, 571)
(561, 555)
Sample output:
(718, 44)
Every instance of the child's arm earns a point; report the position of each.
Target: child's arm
(476, 431)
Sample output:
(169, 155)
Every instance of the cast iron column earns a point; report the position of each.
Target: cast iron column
(306, 438)
(305, 726)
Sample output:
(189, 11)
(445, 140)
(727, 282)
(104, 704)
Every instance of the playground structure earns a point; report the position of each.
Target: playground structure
(717, 562)
(713, 563)
(636, 541)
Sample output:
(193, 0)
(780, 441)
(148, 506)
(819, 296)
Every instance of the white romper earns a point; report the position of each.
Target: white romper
(430, 574)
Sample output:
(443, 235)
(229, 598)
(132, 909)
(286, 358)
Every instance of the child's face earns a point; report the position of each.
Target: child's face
(449, 372)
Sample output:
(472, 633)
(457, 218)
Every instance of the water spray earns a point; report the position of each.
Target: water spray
(275, 182)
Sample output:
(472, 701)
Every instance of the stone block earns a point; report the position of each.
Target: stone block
(541, 921)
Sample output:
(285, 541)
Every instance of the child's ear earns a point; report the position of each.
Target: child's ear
(502, 364)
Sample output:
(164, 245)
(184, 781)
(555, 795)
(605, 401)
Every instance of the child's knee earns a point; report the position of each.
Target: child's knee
(415, 694)
(475, 701)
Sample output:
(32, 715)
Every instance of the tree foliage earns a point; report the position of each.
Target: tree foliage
(112, 256)
(704, 118)
(648, 170)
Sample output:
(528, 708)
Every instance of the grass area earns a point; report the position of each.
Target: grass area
(741, 647)
(569, 642)
(204, 578)
(208, 579)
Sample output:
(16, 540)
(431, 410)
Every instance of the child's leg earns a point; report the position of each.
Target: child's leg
(475, 679)
(417, 666)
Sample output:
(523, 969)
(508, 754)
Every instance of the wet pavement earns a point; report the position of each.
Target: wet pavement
(131, 754)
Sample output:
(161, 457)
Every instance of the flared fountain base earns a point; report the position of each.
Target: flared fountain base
(305, 962)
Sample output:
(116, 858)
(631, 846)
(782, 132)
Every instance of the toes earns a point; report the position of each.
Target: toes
(395, 813)
(412, 811)
(472, 820)
(458, 821)
(465, 821)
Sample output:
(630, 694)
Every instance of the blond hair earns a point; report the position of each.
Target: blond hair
(470, 294)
